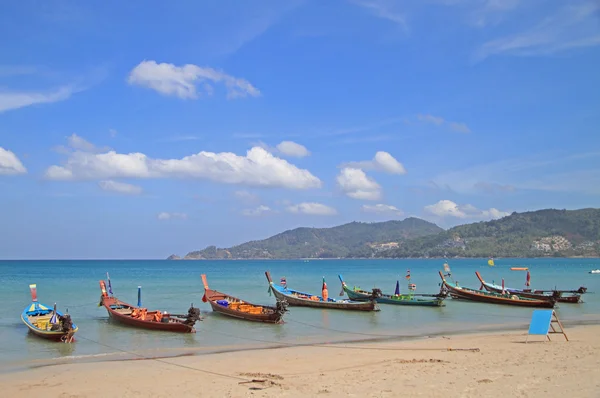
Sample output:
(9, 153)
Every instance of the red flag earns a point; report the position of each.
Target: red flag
(528, 280)
(204, 299)
(407, 274)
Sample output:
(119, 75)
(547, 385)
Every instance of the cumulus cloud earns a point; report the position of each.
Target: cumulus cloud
(438, 121)
(312, 208)
(448, 208)
(258, 211)
(382, 161)
(382, 209)
(172, 216)
(18, 99)
(10, 163)
(357, 185)
(120, 187)
(290, 148)
(257, 168)
(185, 81)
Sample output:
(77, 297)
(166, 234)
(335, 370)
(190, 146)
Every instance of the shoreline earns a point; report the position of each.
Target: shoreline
(122, 355)
(447, 365)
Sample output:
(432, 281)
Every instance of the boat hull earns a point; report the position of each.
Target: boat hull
(389, 299)
(493, 298)
(404, 299)
(267, 314)
(539, 295)
(173, 324)
(282, 293)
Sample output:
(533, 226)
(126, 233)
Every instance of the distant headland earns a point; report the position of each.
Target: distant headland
(549, 232)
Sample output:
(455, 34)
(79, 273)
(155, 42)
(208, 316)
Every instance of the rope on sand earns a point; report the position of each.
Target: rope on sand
(165, 362)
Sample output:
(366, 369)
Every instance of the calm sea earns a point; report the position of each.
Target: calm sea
(174, 285)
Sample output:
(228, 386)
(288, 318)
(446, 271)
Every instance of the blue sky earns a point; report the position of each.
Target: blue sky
(140, 129)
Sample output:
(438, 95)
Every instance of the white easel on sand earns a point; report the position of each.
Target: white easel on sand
(542, 324)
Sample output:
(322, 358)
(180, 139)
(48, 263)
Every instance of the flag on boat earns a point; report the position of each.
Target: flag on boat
(491, 262)
(397, 291)
(446, 267)
(325, 292)
(283, 281)
(33, 289)
(109, 285)
(139, 296)
(528, 279)
(54, 318)
(407, 274)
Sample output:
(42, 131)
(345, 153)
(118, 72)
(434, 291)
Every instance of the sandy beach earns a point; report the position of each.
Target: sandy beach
(475, 365)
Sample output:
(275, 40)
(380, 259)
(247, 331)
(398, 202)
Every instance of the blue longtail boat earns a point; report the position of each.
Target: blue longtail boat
(426, 300)
(47, 322)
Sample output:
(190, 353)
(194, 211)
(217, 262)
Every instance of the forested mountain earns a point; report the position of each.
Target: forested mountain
(531, 234)
(341, 241)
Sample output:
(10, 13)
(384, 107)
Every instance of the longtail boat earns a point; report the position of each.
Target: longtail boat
(428, 300)
(46, 322)
(237, 308)
(557, 295)
(465, 293)
(300, 299)
(140, 317)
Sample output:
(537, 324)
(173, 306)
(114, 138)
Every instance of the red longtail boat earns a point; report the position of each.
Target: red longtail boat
(140, 317)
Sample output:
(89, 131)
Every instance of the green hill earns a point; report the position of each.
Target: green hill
(355, 239)
(531, 234)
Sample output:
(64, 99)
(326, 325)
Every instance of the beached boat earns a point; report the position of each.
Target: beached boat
(557, 295)
(237, 308)
(428, 300)
(140, 317)
(300, 299)
(459, 292)
(46, 322)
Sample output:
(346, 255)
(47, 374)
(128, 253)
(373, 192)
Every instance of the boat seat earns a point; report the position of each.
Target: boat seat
(124, 311)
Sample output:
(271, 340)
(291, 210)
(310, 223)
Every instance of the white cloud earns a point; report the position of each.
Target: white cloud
(571, 26)
(18, 99)
(382, 161)
(258, 211)
(258, 168)
(312, 208)
(439, 121)
(120, 187)
(184, 81)
(384, 9)
(357, 185)
(448, 208)
(10, 163)
(172, 216)
(382, 209)
(293, 149)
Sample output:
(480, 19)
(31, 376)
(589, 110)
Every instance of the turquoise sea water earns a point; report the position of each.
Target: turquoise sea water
(174, 285)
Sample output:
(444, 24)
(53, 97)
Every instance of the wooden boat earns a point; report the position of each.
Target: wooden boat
(557, 295)
(299, 299)
(459, 292)
(46, 322)
(519, 269)
(140, 317)
(237, 308)
(428, 300)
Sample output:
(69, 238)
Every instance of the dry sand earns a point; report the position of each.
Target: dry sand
(503, 366)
